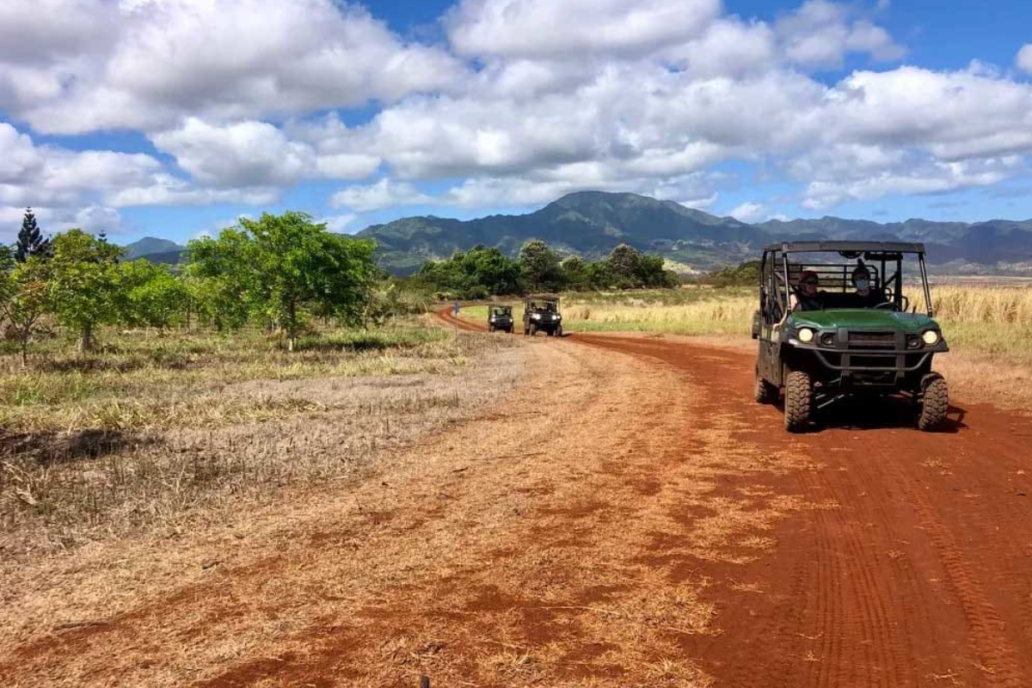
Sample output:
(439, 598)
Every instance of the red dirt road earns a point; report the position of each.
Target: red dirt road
(919, 572)
(628, 517)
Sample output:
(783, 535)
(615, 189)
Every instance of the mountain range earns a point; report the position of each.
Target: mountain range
(592, 223)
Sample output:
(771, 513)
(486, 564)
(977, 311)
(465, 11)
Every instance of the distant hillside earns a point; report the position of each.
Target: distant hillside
(592, 223)
(148, 246)
(589, 223)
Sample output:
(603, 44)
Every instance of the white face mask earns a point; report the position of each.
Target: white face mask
(862, 284)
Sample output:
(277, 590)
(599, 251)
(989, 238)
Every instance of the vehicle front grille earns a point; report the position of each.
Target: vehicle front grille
(872, 361)
(872, 340)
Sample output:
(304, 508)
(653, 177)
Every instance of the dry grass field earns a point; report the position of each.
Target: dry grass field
(174, 429)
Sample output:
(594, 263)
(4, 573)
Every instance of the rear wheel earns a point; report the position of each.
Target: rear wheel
(935, 402)
(764, 393)
(798, 401)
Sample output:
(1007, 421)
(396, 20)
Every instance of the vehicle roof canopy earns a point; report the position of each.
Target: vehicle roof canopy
(541, 297)
(847, 246)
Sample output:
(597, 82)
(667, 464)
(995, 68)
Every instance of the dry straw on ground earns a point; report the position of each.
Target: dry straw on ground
(184, 452)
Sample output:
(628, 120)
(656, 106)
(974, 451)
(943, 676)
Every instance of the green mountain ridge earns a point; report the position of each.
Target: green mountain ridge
(592, 223)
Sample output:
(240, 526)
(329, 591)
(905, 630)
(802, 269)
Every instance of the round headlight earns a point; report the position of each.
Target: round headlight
(536, 316)
(930, 337)
(805, 335)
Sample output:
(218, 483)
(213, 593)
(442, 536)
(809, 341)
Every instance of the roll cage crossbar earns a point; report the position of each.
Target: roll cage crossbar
(777, 270)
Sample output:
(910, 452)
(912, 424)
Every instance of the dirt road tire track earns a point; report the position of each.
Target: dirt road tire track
(642, 523)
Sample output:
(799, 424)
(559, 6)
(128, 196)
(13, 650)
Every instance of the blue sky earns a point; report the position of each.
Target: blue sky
(151, 120)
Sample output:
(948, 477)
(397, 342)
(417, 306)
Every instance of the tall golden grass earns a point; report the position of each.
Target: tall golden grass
(996, 321)
(1000, 305)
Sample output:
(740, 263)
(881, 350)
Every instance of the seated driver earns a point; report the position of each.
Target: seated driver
(806, 296)
(869, 298)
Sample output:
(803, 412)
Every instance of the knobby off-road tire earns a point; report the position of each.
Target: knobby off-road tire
(559, 332)
(935, 403)
(533, 330)
(764, 393)
(798, 401)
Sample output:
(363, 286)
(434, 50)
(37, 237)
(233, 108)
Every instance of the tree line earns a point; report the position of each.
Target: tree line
(485, 271)
(278, 272)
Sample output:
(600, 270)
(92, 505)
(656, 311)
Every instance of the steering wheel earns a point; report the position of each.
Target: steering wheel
(887, 304)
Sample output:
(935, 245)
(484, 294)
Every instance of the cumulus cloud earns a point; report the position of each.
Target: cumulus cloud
(820, 33)
(91, 218)
(144, 64)
(253, 154)
(750, 212)
(528, 100)
(544, 28)
(1024, 59)
(385, 193)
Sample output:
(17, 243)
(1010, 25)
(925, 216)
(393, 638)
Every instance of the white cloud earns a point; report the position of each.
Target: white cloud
(255, 154)
(820, 33)
(531, 99)
(572, 28)
(147, 63)
(1024, 59)
(385, 193)
(168, 190)
(339, 224)
(92, 218)
(750, 212)
(929, 178)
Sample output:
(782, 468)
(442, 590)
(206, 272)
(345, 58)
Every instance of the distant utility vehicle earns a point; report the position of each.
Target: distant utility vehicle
(500, 318)
(834, 322)
(541, 314)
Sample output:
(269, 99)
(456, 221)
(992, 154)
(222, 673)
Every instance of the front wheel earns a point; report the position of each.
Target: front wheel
(533, 330)
(559, 331)
(935, 403)
(798, 401)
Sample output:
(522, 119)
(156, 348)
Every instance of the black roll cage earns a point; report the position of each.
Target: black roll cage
(776, 286)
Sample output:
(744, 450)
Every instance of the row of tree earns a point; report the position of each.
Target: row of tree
(482, 271)
(277, 271)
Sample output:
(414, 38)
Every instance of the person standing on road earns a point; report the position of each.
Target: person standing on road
(457, 309)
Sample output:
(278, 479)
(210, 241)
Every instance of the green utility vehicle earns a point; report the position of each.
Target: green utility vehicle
(834, 322)
(500, 318)
(541, 314)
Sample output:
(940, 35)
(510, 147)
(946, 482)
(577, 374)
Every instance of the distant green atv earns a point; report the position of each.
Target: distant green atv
(500, 318)
(541, 314)
(823, 338)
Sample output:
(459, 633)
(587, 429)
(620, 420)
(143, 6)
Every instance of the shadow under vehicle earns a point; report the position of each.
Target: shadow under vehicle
(541, 314)
(838, 343)
(500, 318)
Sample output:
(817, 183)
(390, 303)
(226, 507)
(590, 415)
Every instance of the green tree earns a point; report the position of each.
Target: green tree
(84, 283)
(222, 279)
(652, 275)
(284, 266)
(475, 273)
(151, 295)
(541, 270)
(575, 273)
(24, 297)
(624, 263)
(30, 240)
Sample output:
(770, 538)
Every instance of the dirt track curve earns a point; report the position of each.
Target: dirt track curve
(637, 522)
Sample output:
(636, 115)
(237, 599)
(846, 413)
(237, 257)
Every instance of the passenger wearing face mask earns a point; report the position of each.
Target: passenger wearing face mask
(869, 298)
